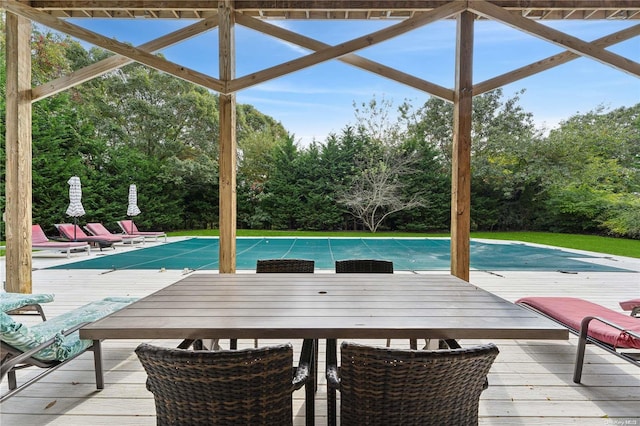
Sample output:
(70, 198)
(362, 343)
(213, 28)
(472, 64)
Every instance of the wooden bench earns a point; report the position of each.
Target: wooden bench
(593, 323)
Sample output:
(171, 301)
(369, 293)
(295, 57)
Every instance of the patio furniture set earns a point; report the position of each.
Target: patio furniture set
(378, 385)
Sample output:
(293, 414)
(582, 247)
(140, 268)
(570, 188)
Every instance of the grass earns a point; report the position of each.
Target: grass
(608, 245)
(598, 244)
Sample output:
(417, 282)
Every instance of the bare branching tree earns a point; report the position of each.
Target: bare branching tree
(377, 192)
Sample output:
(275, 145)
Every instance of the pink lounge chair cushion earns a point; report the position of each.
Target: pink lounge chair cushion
(570, 311)
(130, 228)
(628, 305)
(67, 230)
(40, 240)
(98, 229)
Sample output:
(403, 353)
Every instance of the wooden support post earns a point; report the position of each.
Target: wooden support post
(228, 144)
(461, 155)
(18, 152)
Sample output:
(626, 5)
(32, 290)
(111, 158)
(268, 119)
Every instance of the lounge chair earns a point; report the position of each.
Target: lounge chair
(383, 386)
(52, 343)
(73, 232)
(130, 228)
(97, 229)
(39, 241)
(248, 386)
(593, 323)
(632, 305)
(23, 303)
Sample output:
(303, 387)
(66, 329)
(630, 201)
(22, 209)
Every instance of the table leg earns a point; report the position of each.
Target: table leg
(331, 391)
(310, 388)
(97, 361)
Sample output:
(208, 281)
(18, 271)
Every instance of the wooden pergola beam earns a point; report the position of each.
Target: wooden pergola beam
(461, 150)
(18, 152)
(228, 143)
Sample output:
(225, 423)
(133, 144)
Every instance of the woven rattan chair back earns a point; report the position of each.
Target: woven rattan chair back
(365, 266)
(284, 265)
(381, 386)
(243, 387)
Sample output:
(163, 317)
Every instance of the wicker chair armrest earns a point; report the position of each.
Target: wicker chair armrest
(333, 377)
(302, 372)
(333, 372)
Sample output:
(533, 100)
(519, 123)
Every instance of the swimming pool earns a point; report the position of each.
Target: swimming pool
(407, 254)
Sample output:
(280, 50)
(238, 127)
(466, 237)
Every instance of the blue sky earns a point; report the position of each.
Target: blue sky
(314, 102)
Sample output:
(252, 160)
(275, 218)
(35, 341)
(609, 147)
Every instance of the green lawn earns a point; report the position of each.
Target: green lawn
(609, 245)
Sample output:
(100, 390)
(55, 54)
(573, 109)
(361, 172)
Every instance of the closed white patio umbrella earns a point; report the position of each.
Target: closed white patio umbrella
(75, 208)
(132, 208)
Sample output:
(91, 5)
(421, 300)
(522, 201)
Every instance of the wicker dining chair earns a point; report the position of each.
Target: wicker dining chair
(364, 266)
(368, 266)
(382, 386)
(284, 266)
(287, 266)
(235, 387)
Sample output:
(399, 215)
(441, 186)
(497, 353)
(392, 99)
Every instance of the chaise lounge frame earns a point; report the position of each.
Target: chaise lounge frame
(585, 337)
(22, 346)
(16, 360)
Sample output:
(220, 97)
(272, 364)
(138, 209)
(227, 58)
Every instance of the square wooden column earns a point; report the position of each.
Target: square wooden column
(461, 154)
(18, 151)
(228, 143)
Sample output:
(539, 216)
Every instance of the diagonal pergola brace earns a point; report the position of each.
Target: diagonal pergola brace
(552, 61)
(351, 59)
(109, 64)
(348, 47)
(566, 41)
(123, 49)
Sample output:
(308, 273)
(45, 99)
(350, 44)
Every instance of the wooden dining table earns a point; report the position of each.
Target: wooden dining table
(322, 306)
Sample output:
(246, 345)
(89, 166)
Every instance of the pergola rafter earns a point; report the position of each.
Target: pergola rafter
(224, 15)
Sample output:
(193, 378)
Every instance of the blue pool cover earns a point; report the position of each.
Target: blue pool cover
(409, 254)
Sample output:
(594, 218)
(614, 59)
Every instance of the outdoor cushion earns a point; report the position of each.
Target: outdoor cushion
(97, 229)
(74, 232)
(570, 311)
(25, 338)
(130, 228)
(12, 301)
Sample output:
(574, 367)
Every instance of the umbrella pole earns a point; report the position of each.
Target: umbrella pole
(75, 224)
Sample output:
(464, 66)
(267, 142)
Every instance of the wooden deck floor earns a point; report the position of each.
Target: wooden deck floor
(530, 382)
